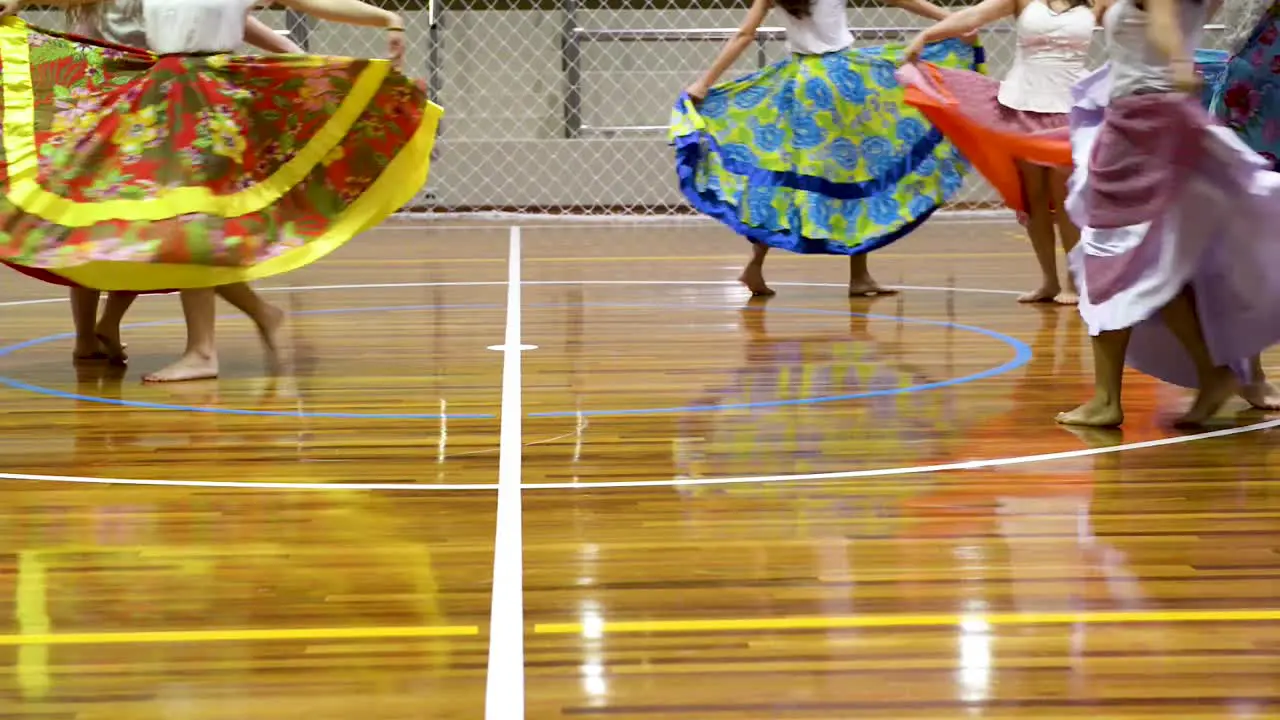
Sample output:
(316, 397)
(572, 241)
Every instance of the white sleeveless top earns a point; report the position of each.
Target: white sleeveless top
(195, 26)
(116, 21)
(825, 30)
(1053, 49)
(1137, 65)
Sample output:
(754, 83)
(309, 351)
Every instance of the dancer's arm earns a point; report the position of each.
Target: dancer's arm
(732, 50)
(1100, 8)
(923, 8)
(1164, 31)
(257, 34)
(354, 12)
(961, 23)
(351, 12)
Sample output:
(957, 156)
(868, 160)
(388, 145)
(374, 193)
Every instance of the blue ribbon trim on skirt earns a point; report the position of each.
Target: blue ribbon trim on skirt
(689, 154)
(707, 202)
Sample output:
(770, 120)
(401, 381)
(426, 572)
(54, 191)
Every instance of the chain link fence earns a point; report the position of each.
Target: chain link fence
(561, 106)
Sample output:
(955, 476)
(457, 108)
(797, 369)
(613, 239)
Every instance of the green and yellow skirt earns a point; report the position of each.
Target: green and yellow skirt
(819, 153)
(124, 170)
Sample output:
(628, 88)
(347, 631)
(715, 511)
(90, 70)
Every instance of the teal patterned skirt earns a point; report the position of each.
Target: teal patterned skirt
(819, 153)
(1247, 97)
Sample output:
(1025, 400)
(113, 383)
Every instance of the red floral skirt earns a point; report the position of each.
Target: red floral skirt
(124, 170)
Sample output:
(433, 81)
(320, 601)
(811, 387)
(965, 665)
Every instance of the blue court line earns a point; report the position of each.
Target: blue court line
(1022, 355)
(41, 390)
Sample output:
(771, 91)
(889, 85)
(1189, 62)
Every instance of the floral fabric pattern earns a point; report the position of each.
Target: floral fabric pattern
(116, 125)
(819, 153)
(1247, 98)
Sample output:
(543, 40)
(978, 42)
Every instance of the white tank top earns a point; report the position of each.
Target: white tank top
(195, 26)
(825, 30)
(1053, 48)
(1137, 65)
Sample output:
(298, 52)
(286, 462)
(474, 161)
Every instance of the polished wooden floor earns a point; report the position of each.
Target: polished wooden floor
(321, 544)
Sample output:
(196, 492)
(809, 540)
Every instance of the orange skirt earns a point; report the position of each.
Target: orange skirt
(992, 137)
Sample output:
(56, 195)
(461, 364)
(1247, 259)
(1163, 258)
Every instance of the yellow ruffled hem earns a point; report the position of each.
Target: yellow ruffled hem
(23, 156)
(403, 177)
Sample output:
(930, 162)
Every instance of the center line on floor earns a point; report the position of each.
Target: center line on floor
(504, 689)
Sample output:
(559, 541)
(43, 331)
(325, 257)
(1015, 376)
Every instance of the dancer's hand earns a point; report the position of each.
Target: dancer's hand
(395, 48)
(1185, 77)
(914, 50)
(697, 92)
(10, 7)
(395, 41)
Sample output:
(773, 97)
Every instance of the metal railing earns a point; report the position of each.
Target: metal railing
(573, 36)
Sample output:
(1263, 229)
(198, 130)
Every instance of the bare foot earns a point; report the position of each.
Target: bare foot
(88, 355)
(1261, 395)
(111, 345)
(1096, 437)
(753, 278)
(1098, 412)
(1213, 393)
(1067, 297)
(191, 366)
(870, 289)
(1045, 294)
(269, 332)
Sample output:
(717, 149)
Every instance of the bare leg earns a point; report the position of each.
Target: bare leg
(1217, 383)
(200, 360)
(107, 330)
(1259, 392)
(1068, 233)
(1105, 409)
(753, 274)
(1035, 187)
(84, 313)
(267, 317)
(861, 284)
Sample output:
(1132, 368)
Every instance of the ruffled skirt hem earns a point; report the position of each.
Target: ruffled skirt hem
(818, 154)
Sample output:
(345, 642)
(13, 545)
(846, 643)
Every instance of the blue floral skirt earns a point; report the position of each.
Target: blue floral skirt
(819, 153)
(1247, 98)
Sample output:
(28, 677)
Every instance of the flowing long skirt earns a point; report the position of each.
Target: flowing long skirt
(1167, 198)
(819, 153)
(124, 170)
(964, 105)
(1247, 97)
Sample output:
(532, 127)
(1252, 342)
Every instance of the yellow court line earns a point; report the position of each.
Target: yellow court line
(901, 621)
(186, 636)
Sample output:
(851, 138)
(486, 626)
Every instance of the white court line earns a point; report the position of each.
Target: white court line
(504, 689)
(675, 482)
(437, 221)
(482, 283)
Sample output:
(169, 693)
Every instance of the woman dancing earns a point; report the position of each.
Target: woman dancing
(1247, 100)
(195, 169)
(816, 153)
(120, 22)
(1173, 272)
(1003, 127)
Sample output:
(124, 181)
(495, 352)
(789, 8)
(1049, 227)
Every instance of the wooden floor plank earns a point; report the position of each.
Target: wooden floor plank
(671, 569)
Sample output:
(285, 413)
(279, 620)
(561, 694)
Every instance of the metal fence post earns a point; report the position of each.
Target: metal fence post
(570, 63)
(435, 74)
(299, 27)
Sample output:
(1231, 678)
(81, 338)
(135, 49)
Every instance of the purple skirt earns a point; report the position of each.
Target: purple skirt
(1168, 199)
